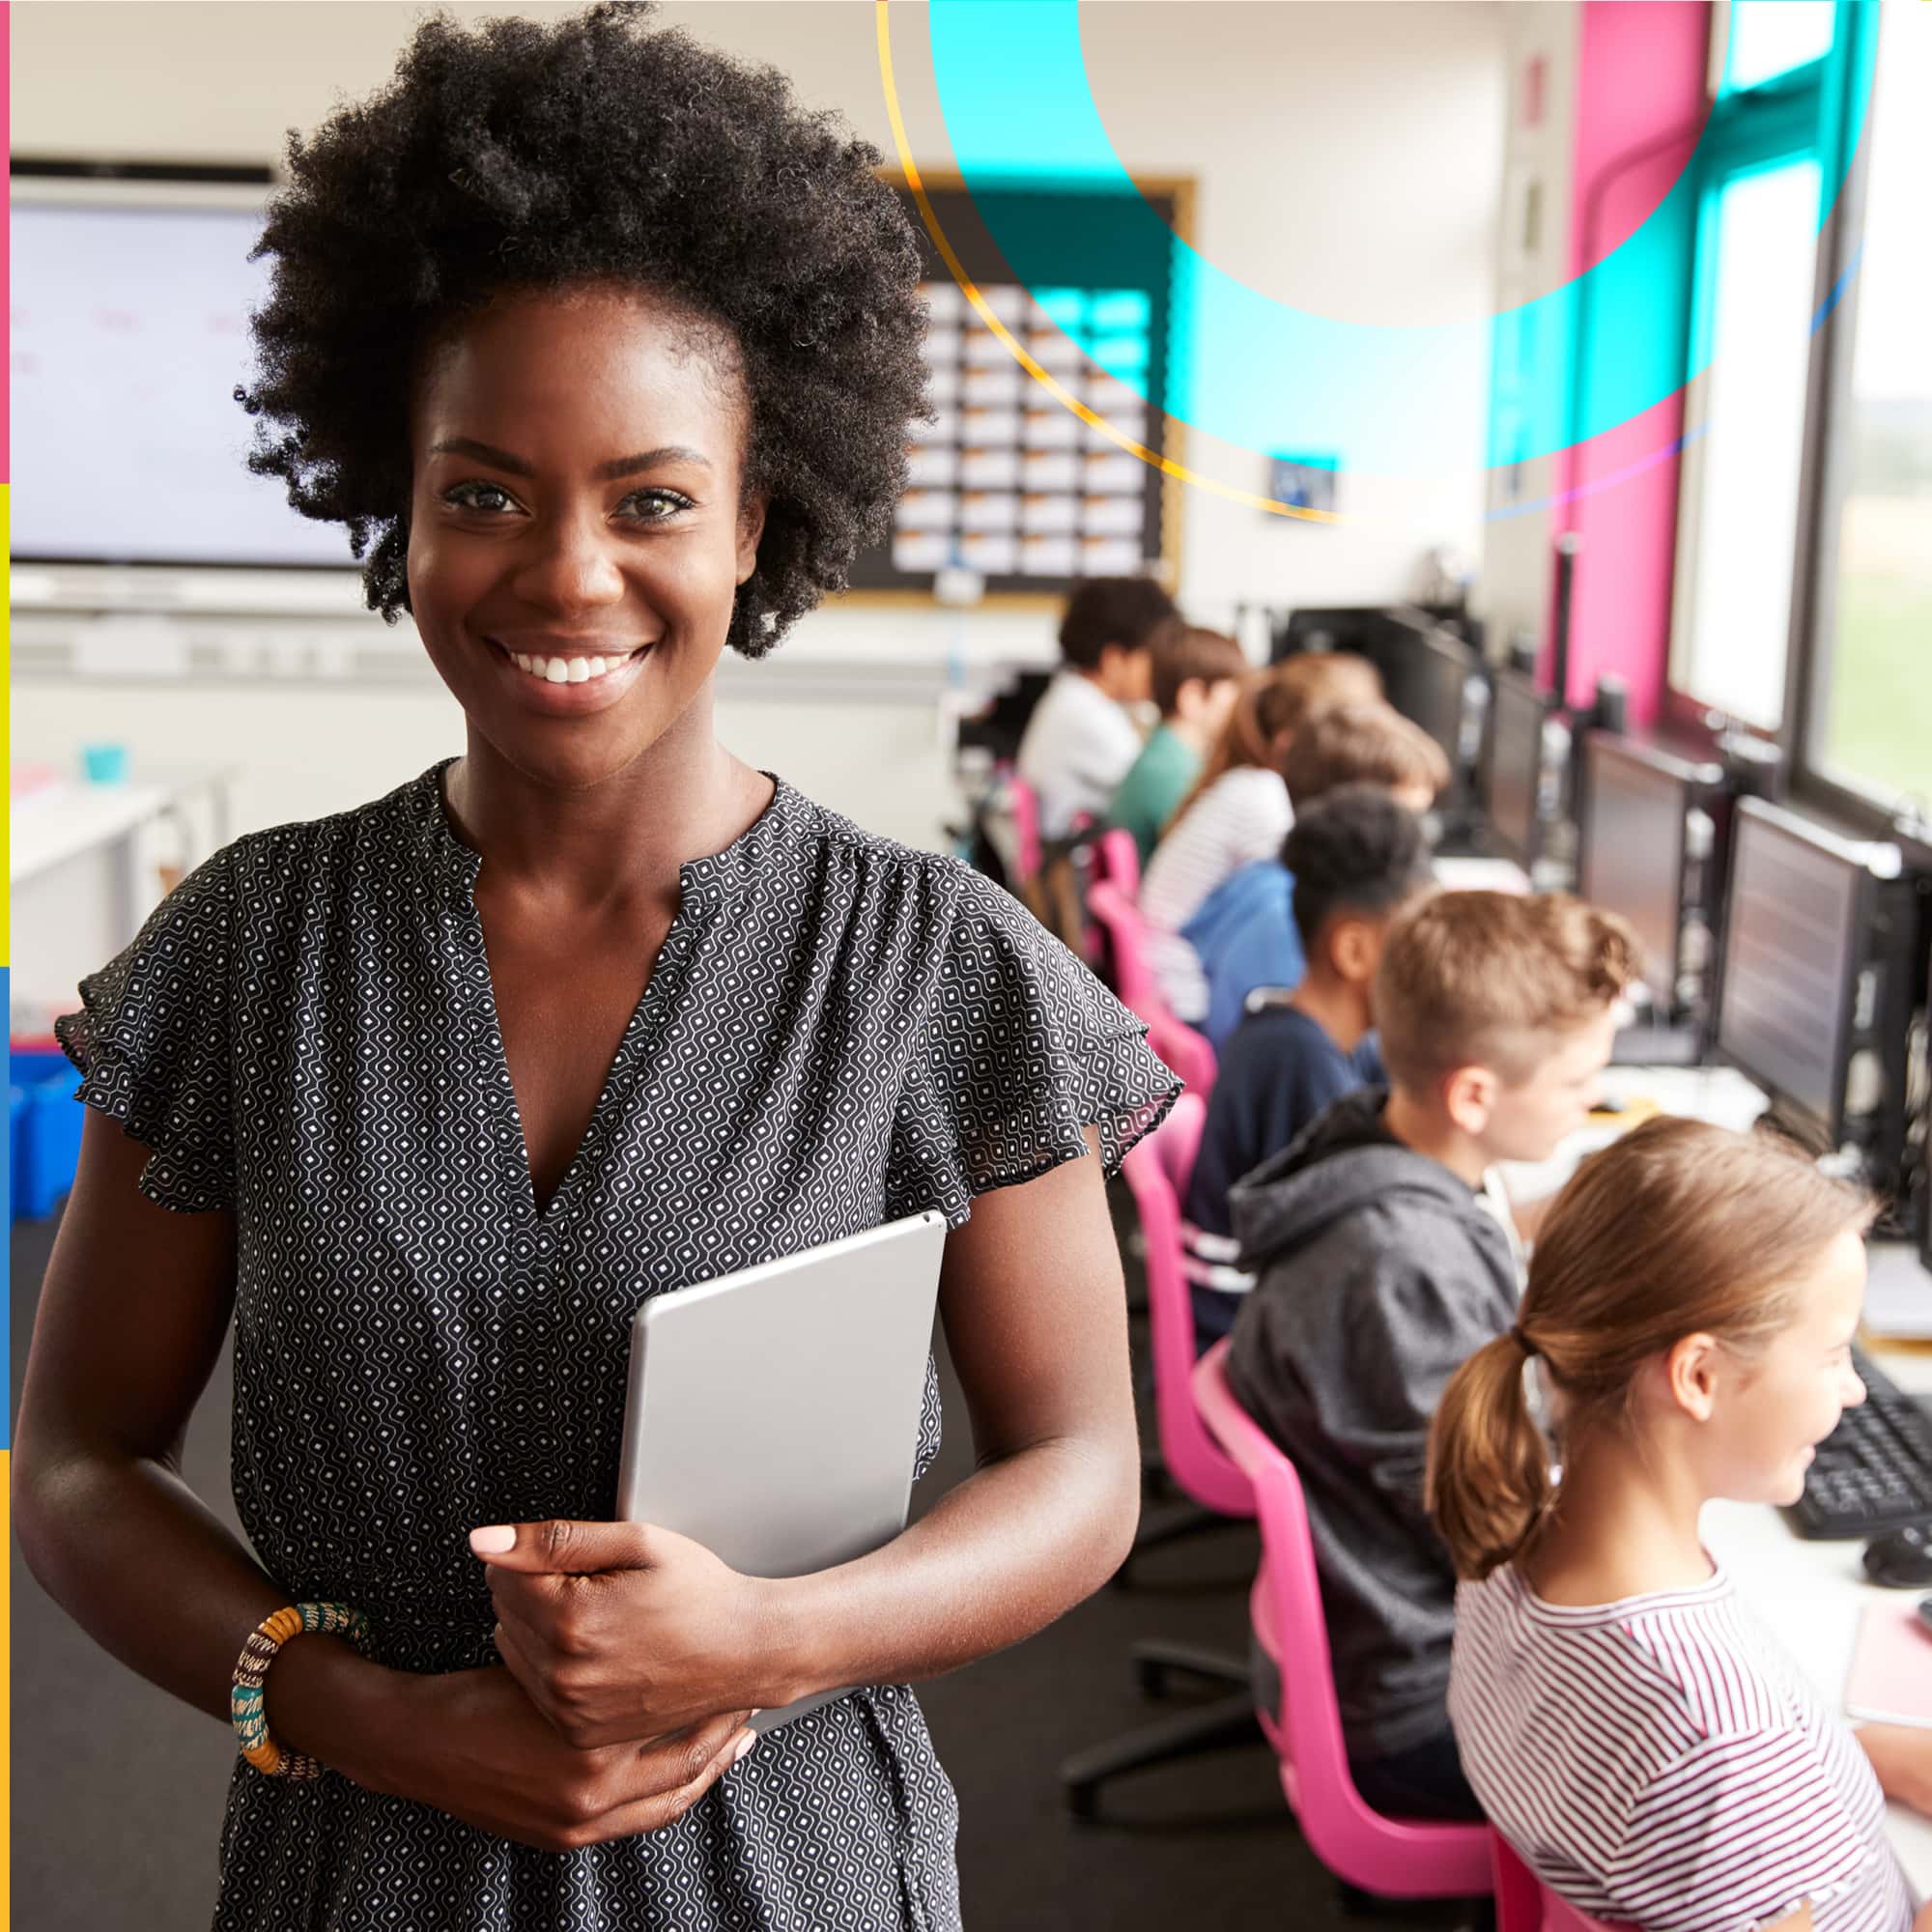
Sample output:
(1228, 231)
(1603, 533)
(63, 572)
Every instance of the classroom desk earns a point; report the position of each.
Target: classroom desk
(1811, 1595)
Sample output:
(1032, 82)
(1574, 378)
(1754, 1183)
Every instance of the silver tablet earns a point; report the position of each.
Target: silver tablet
(773, 1413)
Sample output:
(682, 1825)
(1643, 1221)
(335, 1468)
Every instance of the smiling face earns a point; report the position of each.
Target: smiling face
(1771, 1410)
(577, 534)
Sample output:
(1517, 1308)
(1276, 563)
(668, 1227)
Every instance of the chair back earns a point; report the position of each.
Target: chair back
(1158, 1168)
(1180, 1047)
(1023, 801)
(1116, 858)
(1525, 1903)
(1395, 1858)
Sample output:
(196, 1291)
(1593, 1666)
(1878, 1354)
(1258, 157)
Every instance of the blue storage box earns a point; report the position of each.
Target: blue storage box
(46, 1130)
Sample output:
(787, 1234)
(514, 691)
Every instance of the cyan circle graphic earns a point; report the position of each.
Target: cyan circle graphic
(1264, 375)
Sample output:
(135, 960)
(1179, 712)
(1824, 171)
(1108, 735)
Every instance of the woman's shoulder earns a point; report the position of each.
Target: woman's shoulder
(403, 826)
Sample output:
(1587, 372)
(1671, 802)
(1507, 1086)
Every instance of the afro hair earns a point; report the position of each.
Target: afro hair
(525, 155)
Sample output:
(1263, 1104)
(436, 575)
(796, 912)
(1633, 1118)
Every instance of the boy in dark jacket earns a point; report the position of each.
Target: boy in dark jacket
(1385, 1256)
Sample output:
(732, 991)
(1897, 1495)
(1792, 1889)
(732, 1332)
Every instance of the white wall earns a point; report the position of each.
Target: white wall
(1347, 157)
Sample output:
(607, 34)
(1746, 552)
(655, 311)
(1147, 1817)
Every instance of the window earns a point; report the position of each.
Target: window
(1740, 478)
(1760, 42)
(1871, 726)
(1769, 164)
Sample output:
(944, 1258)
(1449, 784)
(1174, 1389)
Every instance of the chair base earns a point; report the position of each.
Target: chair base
(1154, 1662)
(1223, 1725)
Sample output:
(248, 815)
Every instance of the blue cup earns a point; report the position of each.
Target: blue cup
(105, 764)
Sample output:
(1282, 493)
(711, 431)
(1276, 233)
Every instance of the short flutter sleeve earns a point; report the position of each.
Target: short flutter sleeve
(152, 1042)
(1023, 1050)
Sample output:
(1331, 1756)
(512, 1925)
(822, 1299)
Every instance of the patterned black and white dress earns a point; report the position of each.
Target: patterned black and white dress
(839, 1030)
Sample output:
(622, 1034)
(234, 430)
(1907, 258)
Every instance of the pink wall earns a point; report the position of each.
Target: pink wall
(1641, 74)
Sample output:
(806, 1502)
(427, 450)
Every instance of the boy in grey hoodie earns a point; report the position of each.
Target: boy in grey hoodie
(1385, 1255)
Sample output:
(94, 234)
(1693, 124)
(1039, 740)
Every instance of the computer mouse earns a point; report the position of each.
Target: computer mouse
(1902, 1558)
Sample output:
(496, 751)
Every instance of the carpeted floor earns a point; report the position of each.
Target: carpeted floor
(117, 1790)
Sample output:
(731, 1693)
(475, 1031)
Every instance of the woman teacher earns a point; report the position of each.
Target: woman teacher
(605, 352)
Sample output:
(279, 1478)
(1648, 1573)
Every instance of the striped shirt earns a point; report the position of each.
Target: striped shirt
(1660, 1762)
(1242, 816)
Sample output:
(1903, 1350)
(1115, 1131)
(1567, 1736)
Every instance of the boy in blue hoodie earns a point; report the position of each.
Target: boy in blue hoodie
(1245, 933)
(1385, 1256)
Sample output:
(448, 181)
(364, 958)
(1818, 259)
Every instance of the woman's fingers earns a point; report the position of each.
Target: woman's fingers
(666, 1808)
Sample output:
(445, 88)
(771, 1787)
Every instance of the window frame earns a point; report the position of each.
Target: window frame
(1752, 129)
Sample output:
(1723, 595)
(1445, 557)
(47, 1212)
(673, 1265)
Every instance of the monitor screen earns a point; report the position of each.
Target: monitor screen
(1425, 673)
(1516, 763)
(1631, 858)
(1358, 628)
(130, 334)
(1788, 959)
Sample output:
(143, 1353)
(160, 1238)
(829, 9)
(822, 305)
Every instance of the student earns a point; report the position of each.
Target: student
(1197, 677)
(1245, 936)
(1384, 1257)
(1358, 858)
(1081, 740)
(1634, 1731)
(606, 350)
(1238, 810)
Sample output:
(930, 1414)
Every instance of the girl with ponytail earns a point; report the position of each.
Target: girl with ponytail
(1641, 1741)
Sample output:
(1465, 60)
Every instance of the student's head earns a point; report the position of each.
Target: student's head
(1694, 1291)
(1364, 744)
(1197, 677)
(1109, 629)
(1497, 1011)
(605, 348)
(1272, 705)
(1358, 859)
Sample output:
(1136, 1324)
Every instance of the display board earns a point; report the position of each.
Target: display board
(1006, 481)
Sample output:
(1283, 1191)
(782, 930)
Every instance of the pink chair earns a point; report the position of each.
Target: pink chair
(1391, 1857)
(1116, 859)
(1156, 1170)
(1178, 1043)
(1023, 801)
(1525, 1903)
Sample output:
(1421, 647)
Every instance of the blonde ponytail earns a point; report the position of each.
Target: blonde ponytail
(1488, 1464)
(1679, 1227)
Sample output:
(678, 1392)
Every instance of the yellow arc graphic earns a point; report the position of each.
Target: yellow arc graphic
(1017, 349)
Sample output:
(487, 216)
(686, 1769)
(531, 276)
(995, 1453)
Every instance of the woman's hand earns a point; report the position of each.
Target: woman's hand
(1902, 1758)
(481, 1751)
(620, 1631)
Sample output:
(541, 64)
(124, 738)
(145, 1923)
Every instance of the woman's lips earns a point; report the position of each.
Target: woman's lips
(572, 695)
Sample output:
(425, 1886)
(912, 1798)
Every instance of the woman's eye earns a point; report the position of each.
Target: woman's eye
(489, 497)
(654, 506)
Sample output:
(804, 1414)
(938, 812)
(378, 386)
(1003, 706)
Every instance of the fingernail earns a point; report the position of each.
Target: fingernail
(494, 1539)
(744, 1744)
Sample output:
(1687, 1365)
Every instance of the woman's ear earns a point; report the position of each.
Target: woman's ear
(751, 529)
(1690, 1374)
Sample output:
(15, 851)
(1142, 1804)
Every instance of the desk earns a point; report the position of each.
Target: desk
(1813, 1596)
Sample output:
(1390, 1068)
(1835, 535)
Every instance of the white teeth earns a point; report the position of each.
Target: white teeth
(565, 671)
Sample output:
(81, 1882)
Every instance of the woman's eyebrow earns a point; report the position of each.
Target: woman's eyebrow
(605, 473)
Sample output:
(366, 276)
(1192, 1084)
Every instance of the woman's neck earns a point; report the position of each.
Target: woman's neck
(1624, 1525)
(612, 840)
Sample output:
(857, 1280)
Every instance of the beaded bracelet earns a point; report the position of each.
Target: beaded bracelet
(246, 1699)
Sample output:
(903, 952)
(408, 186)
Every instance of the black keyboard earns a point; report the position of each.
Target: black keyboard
(1874, 1472)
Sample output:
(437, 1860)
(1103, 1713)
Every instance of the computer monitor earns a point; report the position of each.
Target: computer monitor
(1426, 677)
(1792, 944)
(130, 299)
(1631, 855)
(1513, 770)
(1359, 628)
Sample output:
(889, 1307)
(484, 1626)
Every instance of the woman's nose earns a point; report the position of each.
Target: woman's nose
(571, 567)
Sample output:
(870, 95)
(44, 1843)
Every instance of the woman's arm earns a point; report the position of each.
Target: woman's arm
(621, 1629)
(132, 1317)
